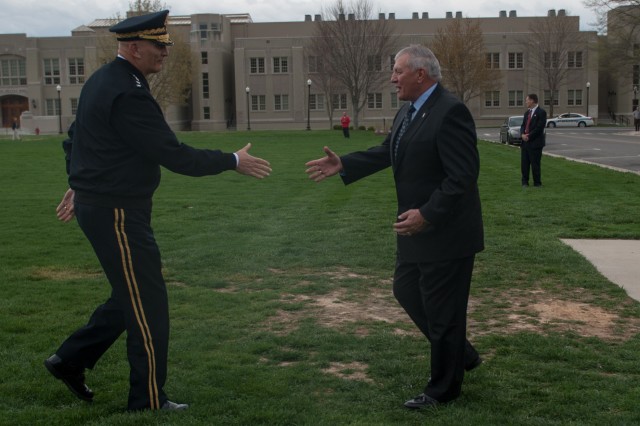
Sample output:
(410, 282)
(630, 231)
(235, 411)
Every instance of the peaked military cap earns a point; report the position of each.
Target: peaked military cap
(152, 26)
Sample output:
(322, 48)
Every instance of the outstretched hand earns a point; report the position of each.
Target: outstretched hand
(250, 165)
(65, 210)
(324, 167)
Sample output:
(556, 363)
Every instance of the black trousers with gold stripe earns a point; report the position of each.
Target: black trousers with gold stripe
(124, 243)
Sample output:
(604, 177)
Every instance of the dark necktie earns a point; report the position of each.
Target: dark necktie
(403, 128)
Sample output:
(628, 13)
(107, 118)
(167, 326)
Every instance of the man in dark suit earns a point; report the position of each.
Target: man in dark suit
(432, 150)
(117, 144)
(533, 140)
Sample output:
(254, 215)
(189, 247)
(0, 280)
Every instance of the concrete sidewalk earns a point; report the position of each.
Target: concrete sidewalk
(618, 260)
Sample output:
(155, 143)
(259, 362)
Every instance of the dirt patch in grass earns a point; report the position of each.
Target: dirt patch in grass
(536, 311)
(349, 371)
(48, 273)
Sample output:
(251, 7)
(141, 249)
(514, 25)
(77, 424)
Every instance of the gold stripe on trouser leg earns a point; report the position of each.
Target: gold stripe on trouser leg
(136, 302)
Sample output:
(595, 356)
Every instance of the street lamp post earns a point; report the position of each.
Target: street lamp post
(588, 86)
(59, 89)
(248, 109)
(309, 104)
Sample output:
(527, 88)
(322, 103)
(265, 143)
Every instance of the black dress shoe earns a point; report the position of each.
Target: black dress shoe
(172, 406)
(473, 364)
(72, 376)
(420, 401)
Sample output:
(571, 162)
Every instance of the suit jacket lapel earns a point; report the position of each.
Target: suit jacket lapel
(416, 123)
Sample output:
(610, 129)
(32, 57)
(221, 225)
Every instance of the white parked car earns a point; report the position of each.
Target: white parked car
(570, 119)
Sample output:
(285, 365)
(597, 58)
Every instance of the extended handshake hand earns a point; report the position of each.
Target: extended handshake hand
(324, 167)
(252, 166)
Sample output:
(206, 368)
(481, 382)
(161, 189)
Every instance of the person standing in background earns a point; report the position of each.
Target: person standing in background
(345, 121)
(15, 127)
(533, 140)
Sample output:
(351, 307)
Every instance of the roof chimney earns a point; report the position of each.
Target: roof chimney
(552, 12)
(512, 14)
(503, 14)
(425, 15)
(458, 14)
(449, 15)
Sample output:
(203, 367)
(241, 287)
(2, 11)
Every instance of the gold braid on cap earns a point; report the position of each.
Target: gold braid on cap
(148, 33)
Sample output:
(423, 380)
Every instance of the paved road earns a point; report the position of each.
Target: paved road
(614, 147)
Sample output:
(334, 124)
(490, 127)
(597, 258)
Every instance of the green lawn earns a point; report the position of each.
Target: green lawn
(281, 304)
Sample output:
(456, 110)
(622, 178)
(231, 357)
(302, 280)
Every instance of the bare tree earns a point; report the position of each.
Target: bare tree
(549, 45)
(172, 85)
(354, 49)
(620, 20)
(459, 46)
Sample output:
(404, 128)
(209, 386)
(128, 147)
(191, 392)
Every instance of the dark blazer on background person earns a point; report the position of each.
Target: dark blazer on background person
(537, 135)
(436, 170)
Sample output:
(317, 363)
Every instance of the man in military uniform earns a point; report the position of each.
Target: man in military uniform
(117, 144)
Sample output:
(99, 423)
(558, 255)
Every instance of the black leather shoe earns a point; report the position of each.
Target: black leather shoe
(473, 364)
(172, 406)
(420, 401)
(73, 377)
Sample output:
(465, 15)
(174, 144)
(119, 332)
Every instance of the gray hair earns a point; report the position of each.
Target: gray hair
(422, 57)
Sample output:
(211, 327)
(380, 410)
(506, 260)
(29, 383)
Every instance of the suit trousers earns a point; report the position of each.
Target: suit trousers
(126, 248)
(435, 295)
(530, 158)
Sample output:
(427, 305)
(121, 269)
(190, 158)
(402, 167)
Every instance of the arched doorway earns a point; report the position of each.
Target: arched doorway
(11, 106)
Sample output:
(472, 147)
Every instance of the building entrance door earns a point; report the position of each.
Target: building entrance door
(11, 107)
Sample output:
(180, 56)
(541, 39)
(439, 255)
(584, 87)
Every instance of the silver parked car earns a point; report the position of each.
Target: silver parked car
(510, 130)
(570, 119)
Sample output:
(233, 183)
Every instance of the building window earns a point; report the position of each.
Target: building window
(203, 31)
(52, 107)
(206, 113)
(492, 98)
(281, 103)
(316, 102)
(74, 105)
(394, 100)
(256, 65)
(516, 98)
(574, 97)
(51, 71)
(13, 72)
(339, 101)
(205, 85)
(392, 62)
(493, 60)
(204, 58)
(374, 63)
(516, 60)
(280, 65)
(574, 59)
(374, 100)
(547, 98)
(258, 103)
(76, 71)
(551, 60)
(315, 64)
(636, 75)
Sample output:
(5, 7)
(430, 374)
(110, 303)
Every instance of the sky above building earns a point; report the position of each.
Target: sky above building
(38, 18)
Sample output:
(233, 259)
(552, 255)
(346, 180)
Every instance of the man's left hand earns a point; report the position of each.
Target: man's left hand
(410, 222)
